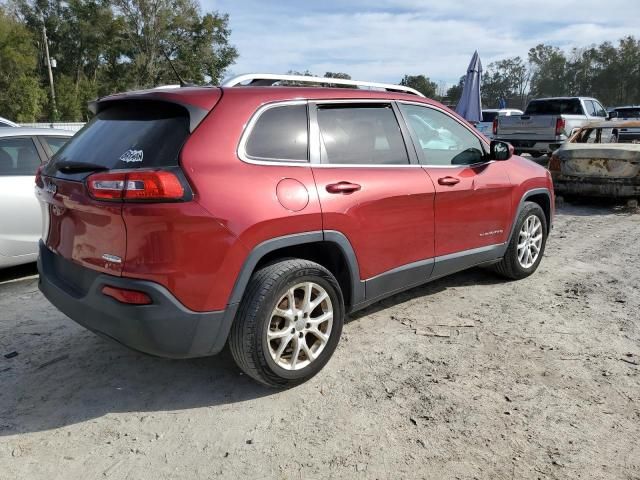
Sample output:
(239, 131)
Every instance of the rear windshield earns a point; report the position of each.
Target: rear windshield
(130, 135)
(566, 106)
(628, 112)
(489, 116)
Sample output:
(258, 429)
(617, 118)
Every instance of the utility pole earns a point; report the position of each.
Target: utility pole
(53, 91)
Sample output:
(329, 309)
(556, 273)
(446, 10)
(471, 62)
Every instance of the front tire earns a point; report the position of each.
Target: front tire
(289, 323)
(527, 244)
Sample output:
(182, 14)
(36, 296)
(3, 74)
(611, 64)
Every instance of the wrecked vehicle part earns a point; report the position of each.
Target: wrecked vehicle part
(586, 165)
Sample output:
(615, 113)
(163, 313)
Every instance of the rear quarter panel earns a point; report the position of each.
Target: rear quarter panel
(239, 196)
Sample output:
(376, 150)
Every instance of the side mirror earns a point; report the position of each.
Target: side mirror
(500, 150)
(612, 115)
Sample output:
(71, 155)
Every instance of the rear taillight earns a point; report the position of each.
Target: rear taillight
(142, 185)
(554, 164)
(495, 126)
(39, 181)
(560, 124)
(123, 295)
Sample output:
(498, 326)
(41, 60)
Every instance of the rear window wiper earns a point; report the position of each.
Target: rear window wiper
(67, 166)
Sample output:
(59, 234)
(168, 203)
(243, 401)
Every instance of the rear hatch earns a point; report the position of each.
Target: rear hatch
(129, 152)
(611, 161)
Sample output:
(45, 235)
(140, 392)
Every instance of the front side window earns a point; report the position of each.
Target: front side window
(591, 109)
(599, 109)
(362, 134)
(18, 156)
(442, 139)
(280, 133)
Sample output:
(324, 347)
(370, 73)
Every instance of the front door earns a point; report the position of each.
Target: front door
(473, 196)
(374, 192)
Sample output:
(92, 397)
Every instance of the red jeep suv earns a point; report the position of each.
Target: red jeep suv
(181, 219)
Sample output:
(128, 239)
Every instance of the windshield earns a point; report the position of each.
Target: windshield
(489, 116)
(566, 106)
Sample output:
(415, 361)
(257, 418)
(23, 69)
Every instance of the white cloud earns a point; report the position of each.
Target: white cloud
(385, 40)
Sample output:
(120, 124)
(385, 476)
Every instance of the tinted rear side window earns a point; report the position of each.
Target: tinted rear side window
(280, 133)
(18, 156)
(130, 135)
(55, 143)
(363, 134)
(568, 106)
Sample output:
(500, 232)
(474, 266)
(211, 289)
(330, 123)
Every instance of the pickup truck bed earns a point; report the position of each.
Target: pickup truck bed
(547, 123)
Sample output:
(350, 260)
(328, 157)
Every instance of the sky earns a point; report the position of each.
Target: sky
(383, 40)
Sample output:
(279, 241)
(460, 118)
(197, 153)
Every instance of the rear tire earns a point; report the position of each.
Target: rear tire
(525, 249)
(279, 337)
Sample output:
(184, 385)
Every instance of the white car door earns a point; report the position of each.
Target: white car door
(20, 217)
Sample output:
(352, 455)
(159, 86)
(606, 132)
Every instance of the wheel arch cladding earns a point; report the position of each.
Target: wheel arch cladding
(330, 249)
(543, 198)
(540, 196)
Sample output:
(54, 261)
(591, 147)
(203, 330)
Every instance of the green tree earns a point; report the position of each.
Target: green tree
(21, 97)
(106, 46)
(455, 92)
(506, 79)
(420, 83)
(549, 71)
(341, 75)
(197, 45)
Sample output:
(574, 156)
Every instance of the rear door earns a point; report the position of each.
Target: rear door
(122, 137)
(473, 196)
(20, 222)
(371, 188)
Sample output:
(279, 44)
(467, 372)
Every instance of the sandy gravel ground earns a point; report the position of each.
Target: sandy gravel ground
(468, 377)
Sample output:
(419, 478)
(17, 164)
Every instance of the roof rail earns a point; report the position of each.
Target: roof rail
(268, 79)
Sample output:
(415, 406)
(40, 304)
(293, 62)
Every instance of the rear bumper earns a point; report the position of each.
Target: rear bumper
(165, 328)
(532, 146)
(596, 187)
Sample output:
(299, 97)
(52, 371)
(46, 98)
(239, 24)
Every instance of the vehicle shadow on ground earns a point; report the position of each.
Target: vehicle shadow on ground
(91, 377)
(18, 273)
(474, 276)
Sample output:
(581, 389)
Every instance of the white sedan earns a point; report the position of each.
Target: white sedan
(22, 150)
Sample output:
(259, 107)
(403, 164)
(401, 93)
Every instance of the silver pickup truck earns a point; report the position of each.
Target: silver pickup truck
(547, 122)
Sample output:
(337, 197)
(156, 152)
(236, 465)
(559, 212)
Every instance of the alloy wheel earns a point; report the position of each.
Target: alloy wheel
(300, 326)
(529, 241)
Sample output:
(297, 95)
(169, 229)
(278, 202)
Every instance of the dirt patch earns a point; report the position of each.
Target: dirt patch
(467, 377)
